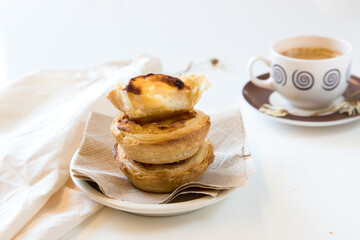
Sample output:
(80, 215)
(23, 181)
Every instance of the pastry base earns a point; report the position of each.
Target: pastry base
(164, 178)
(161, 142)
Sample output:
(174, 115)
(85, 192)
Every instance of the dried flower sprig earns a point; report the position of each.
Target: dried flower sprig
(351, 108)
(273, 110)
(213, 62)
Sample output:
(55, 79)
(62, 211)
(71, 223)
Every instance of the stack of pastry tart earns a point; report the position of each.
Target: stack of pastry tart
(161, 138)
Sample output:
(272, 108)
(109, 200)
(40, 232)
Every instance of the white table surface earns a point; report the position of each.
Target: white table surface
(308, 179)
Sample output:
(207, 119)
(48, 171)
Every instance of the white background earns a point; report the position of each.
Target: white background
(307, 182)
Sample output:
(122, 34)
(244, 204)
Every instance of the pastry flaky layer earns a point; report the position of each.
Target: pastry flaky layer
(154, 97)
(166, 141)
(162, 178)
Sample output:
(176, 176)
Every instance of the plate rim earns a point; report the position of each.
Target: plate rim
(307, 123)
(299, 122)
(148, 209)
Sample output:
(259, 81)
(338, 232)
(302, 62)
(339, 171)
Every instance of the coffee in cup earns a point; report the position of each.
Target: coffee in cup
(310, 53)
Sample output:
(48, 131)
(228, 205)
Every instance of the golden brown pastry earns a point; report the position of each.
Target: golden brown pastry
(161, 142)
(162, 178)
(154, 97)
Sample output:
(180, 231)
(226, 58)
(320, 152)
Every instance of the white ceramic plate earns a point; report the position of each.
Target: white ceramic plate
(307, 123)
(256, 97)
(277, 100)
(183, 205)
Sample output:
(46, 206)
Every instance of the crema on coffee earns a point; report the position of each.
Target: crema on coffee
(310, 53)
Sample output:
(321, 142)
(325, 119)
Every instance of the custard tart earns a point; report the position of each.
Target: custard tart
(155, 97)
(162, 178)
(166, 141)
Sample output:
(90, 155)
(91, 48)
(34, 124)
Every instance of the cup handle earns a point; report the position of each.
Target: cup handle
(268, 83)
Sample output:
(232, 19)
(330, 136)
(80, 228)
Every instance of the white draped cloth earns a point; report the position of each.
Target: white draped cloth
(42, 117)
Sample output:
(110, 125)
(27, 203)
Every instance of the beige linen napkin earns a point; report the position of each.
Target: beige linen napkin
(64, 210)
(232, 165)
(42, 118)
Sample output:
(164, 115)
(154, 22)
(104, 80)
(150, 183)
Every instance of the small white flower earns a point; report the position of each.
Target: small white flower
(352, 108)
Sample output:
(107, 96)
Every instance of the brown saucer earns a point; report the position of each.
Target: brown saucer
(257, 96)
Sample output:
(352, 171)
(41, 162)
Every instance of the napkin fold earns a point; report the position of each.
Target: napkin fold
(233, 164)
(65, 209)
(42, 118)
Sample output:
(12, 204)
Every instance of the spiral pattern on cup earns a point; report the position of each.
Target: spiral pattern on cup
(279, 74)
(302, 80)
(331, 79)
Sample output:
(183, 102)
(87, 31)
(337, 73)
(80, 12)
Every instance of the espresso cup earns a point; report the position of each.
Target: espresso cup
(307, 83)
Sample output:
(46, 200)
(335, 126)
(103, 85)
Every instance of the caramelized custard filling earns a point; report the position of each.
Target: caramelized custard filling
(150, 83)
(155, 97)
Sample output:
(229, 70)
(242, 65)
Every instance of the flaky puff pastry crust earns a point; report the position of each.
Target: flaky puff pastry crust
(162, 178)
(161, 142)
(155, 97)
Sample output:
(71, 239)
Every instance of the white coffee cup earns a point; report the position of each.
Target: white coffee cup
(307, 83)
